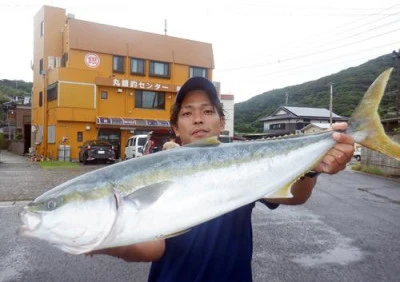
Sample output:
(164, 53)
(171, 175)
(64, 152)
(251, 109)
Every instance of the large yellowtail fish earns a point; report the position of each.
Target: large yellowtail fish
(163, 194)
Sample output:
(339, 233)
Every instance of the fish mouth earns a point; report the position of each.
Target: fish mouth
(30, 220)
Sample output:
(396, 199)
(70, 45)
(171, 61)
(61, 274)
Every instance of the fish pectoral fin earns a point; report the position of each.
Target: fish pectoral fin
(209, 141)
(146, 196)
(174, 234)
(284, 192)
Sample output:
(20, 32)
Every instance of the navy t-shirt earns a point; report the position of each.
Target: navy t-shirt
(217, 250)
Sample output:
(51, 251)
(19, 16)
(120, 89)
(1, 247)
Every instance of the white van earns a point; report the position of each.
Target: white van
(134, 146)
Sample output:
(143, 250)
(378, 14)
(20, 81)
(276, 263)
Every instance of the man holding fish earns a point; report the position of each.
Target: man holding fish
(219, 249)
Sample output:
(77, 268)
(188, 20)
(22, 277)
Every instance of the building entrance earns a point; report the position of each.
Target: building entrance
(114, 137)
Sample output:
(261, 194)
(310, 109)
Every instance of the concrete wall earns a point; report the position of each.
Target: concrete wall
(388, 166)
(17, 147)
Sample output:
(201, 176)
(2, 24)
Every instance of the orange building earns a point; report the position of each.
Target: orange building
(95, 81)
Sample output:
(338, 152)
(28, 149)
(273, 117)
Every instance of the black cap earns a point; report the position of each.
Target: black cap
(198, 83)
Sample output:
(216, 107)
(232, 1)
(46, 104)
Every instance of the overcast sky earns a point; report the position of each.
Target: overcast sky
(258, 45)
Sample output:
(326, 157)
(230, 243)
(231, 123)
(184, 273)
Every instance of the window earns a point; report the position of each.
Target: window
(79, 136)
(64, 60)
(194, 71)
(277, 126)
(150, 100)
(159, 69)
(52, 92)
(42, 28)
(41, 71)
(40, 99)
(118, 64)
(104, 95)
(51, 134)
(137, 66)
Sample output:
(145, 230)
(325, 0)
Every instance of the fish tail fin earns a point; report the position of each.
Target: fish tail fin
(365, 124)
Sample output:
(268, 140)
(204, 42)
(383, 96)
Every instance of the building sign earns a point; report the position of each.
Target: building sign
(136, 84)
(131, 122)
(92, 60)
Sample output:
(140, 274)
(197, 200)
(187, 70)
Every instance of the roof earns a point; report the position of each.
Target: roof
(311, 112)
(108, 39)
(323, 126)
(285, 112)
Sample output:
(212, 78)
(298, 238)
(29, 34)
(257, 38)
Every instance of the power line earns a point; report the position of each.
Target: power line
(351, 36)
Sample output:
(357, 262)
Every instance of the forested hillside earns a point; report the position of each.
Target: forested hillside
(349, 86)
(11, 88)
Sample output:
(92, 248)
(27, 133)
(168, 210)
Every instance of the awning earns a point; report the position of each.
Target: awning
(130, 122)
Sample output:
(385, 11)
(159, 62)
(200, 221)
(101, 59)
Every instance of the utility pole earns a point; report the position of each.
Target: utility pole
(331, 104)
(287, 99)
(396, 58)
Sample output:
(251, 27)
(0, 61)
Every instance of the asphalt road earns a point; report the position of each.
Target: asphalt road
(347, 231)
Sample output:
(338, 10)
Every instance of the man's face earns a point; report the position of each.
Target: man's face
(198, 118)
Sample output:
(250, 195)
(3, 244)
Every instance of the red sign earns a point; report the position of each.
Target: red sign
(92, 60)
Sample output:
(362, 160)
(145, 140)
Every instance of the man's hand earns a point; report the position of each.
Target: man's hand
(337, 157)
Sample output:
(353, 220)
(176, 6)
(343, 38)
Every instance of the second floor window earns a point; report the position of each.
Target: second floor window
(118, 64)
(42, 28)
(159, 69)
(150, 100)
(52, 92)
(137, 66)
(40, 99)
(194, 71)
(41, 70)
(64, 60)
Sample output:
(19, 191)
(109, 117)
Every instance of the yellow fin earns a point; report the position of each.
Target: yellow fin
(365, 123)
(173, 234)
(284, 192)
(209, 141)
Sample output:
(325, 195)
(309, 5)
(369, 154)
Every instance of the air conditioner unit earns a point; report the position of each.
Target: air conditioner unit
(58, 62)
(51, 63)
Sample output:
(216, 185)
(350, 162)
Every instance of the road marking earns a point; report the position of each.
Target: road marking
(10, 204)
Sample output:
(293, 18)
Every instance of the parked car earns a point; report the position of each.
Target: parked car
(357, 153)
(225, 139)
(156, 140)
(134, 146)
(96, 150)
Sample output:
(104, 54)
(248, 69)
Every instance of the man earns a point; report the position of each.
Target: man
(171, 144)
(220, 249)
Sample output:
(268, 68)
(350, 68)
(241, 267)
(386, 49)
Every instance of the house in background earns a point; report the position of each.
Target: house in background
(289, 120)
(315, 127)
(17, 124)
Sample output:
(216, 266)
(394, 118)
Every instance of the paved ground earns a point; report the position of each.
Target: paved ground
(21, 179)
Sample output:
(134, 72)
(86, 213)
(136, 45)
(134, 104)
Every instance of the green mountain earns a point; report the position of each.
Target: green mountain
(348, 88)
(11, 88)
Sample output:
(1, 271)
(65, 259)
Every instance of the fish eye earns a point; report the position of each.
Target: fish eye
(51, 204)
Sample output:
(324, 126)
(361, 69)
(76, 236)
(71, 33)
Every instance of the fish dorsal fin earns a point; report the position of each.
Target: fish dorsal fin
(209, 141)
(146, 196)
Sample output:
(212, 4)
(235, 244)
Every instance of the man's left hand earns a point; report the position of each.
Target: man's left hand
(337, 157)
